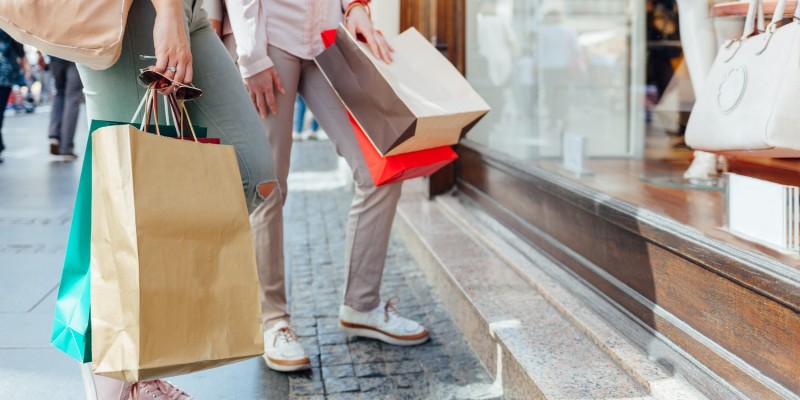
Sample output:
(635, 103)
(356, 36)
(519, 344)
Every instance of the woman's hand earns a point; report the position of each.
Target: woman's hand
(173, 54)
(358, 21)
(262, 87)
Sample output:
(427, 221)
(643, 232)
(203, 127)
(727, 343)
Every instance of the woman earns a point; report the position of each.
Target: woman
(187, 50)
(276, 41)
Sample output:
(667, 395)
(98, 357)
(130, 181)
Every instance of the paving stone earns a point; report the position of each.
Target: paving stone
(339, 385)
(305, 331)
(335, 359)
(403, 367)
(309, 376)
(409, 381)
(394, 353)
(365, 351)
(306, 389)
(370, 370)
(412, 393)
(303, 322)
(338, 371)
(346, 396)
(377, 384)
(332, 338)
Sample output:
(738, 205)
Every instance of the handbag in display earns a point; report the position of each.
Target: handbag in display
(88, 32)
(749, 100)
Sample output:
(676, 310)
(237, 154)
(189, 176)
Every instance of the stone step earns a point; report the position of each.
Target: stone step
(544, 340)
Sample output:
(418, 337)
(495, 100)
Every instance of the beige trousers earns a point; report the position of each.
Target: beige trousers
(373, 208)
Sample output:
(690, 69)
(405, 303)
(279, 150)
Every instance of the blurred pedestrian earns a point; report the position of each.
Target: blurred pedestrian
(300, 120)
(66, 105)
(12, 59)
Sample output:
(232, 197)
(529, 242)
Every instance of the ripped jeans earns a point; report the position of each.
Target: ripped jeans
(225, 109)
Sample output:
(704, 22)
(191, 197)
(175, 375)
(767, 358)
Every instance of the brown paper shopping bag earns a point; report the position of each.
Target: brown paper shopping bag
(419, 101)
(174, 285)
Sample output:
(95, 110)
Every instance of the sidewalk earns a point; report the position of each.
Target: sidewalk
(35, 208)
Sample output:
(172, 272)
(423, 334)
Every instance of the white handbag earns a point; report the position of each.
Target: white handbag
(749, 100)
(88, 32)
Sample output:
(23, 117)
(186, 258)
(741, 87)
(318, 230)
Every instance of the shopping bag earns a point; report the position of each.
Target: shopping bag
(419, 101)
(174, 286)
(71, 328)
(71, 324)
(390, 169)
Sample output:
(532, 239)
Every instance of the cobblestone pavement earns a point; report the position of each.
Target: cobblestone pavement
(36, 196)
(351, 368)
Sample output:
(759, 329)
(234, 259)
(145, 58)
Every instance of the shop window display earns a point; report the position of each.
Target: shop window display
(621, 74)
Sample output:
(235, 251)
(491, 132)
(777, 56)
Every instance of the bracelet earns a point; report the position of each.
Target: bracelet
(355, 3)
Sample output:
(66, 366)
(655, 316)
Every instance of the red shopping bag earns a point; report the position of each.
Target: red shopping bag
(390, 169)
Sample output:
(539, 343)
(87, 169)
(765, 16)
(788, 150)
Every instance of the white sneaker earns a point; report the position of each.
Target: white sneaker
(382, 323)
(282, 351)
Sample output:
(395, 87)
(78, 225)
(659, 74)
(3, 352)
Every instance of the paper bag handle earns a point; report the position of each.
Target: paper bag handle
(149, 103)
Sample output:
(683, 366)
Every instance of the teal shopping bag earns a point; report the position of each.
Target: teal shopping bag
(71, 328)
(71, 324)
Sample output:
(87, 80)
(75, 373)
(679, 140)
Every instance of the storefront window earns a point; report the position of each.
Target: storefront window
(611, 71)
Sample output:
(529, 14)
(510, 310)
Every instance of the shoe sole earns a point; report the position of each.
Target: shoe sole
(54, 150)
(372, 333)
(302, 365)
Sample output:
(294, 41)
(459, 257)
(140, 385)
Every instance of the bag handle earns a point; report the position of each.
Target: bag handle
(754, 22)
(177, 107)
(755, 14)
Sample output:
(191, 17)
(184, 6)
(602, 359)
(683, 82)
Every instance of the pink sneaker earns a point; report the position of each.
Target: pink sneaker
(157, 389)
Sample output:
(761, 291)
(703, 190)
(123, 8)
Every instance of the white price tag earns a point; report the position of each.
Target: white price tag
(574, 154)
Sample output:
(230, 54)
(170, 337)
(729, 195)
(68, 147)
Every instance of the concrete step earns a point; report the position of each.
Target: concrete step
(541, 339)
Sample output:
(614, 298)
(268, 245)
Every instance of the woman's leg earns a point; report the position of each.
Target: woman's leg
(373, 208)
(225, 108)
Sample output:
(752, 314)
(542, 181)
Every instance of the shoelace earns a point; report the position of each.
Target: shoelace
(390, 308)
(286, 334)
(156, 389)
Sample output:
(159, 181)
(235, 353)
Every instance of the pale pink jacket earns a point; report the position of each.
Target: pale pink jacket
(290, 25)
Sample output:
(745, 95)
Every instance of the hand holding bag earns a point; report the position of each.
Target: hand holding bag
(749, 100)
(88, 32)
(419, 101)
(389, 169)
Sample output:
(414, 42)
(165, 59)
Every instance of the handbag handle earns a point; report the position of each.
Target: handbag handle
(754, 22)
(755, 14)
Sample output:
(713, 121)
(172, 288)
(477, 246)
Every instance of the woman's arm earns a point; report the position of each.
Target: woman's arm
(173, 54)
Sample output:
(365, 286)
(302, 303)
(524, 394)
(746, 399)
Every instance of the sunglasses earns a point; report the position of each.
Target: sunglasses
(156, 80)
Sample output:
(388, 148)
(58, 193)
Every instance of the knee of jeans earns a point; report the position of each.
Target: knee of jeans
(264, 190)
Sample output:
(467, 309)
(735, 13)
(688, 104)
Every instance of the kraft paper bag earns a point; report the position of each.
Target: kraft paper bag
(419, 101)
(71, 323)
(174, 286)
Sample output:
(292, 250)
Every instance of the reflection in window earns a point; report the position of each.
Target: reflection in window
(610, 70)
